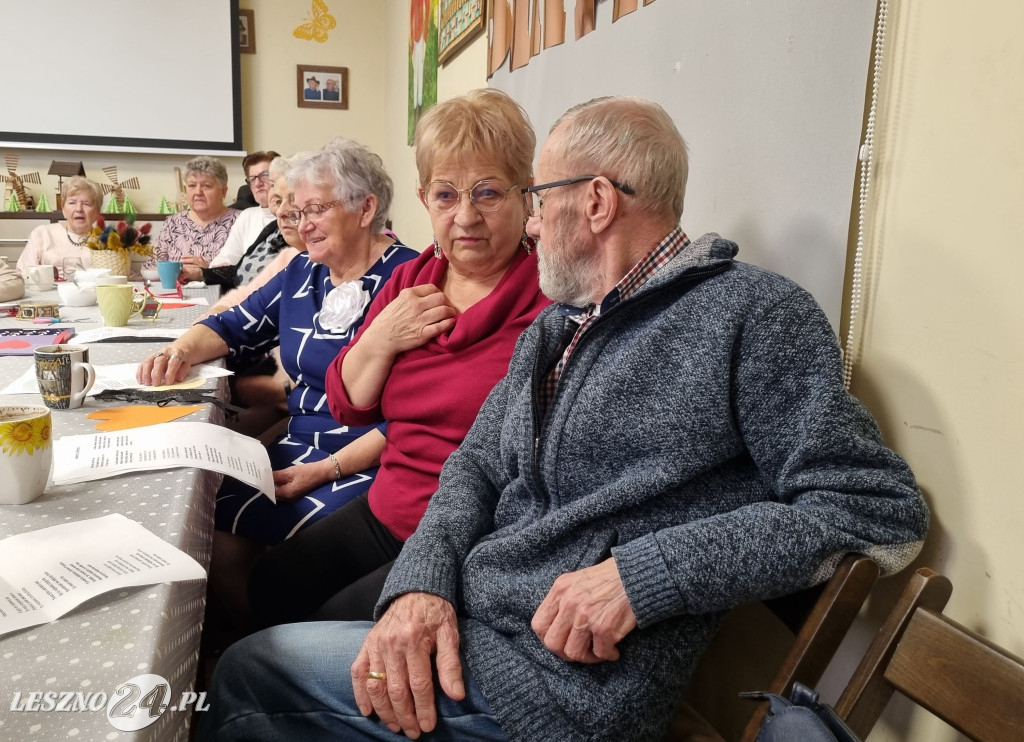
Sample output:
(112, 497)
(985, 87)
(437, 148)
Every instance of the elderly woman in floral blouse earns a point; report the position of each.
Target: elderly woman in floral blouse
(196, 236)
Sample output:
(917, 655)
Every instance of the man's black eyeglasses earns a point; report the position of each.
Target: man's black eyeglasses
(536, 202)
(569, 181)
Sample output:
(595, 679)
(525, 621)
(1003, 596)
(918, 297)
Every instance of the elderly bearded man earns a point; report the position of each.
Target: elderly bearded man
(671, 440)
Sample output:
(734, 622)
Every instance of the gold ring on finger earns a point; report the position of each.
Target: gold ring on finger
(377, 675)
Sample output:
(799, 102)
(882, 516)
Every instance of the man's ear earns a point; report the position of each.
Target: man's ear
(601, 204)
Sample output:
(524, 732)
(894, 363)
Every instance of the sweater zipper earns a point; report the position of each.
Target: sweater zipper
(687, 277)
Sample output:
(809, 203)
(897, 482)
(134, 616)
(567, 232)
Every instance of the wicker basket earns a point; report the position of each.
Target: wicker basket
(119, 261)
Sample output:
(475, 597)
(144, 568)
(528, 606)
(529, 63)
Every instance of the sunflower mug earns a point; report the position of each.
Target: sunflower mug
(26, 453)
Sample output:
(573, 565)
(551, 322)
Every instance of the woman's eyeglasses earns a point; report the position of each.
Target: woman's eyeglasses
(264, 176)
(312, 212)
(486, 196)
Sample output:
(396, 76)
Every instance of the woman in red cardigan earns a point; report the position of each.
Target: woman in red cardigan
(435, 341)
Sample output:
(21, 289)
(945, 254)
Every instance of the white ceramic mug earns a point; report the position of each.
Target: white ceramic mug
(26, 453)
(41, 276)
(64, 375)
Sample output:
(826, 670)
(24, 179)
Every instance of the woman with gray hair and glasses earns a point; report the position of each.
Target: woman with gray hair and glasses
(196, 236)
(312, 309)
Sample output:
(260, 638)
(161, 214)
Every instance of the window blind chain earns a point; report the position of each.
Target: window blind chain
(851, 352)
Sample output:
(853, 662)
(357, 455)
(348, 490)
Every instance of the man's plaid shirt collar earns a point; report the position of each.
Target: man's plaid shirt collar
(674, 243)
(638, 275)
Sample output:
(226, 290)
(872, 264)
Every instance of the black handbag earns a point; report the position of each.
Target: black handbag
(801, 718)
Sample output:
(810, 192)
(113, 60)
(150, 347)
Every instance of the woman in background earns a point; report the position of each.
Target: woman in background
(281, 202)
(250, 225)
(52, 244)
(196, 236)
(263, 249)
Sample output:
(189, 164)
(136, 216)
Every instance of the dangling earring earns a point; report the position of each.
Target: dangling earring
(525, 243)
(437, 250)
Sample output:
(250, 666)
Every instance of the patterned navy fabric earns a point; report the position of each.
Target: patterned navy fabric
(286, 311)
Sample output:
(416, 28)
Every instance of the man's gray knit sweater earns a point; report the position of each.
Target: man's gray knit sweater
(700, 435)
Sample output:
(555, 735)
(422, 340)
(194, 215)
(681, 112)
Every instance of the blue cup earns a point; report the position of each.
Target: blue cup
(169, 271)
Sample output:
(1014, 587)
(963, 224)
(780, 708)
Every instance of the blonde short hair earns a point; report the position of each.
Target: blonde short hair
(483, 122)
(78, 184)
(633, 141)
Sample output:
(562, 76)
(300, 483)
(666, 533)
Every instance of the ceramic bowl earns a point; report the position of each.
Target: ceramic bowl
(80, 295)
(150, 275)
(89, 275)
(111, 280)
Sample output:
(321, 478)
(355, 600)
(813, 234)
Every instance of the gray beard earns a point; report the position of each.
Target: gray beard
(569, 281)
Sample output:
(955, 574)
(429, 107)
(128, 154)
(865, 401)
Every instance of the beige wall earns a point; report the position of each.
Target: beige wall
(943, 349)
(465, 72)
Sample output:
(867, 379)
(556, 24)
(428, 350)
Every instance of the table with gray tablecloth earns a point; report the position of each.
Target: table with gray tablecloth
(129, 632)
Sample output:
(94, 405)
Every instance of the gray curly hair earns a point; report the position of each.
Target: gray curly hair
(206, 165)
(352, 171)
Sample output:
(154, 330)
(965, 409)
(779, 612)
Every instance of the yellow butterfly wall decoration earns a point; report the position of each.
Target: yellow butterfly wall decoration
(319, 24)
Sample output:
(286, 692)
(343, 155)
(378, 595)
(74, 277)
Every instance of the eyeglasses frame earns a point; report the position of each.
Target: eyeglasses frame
(460, 191)
(264, 176)
(324, 208)
(624, 187)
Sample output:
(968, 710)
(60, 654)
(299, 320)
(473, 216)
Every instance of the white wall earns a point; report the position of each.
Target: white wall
(769, 97)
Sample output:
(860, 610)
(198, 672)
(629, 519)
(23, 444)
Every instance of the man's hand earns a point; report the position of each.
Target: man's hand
(585, 614)
(399, 645)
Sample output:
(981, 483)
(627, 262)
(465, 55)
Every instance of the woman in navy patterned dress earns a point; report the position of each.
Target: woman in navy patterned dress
(313, 309)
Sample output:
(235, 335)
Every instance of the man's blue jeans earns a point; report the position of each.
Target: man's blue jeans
(292, 683)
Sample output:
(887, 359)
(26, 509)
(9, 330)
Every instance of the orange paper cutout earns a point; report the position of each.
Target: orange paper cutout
(137, 416)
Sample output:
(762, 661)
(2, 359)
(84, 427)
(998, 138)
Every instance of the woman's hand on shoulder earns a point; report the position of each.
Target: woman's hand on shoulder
(418, 314)
(167, 366)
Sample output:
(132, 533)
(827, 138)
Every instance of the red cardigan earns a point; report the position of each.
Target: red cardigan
(434, 392)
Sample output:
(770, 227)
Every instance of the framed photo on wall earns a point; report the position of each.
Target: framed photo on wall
(246, 32)
(458, 23)
(321, 87)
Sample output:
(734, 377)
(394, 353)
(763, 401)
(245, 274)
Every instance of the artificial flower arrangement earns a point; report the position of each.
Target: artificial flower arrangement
(125, 236)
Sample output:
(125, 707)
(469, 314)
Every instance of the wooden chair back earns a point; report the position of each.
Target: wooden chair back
(949, 670)
(819, 619)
